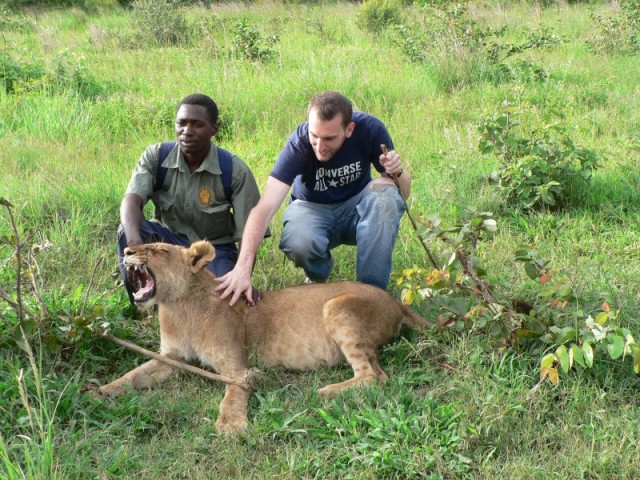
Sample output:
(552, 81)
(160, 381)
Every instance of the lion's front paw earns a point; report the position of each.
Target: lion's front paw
(94, 392)
(228, 425)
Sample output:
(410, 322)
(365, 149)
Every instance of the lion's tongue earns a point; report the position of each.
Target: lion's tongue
(140, 294)
(145, 289)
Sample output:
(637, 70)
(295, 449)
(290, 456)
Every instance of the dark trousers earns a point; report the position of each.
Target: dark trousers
(225, 260)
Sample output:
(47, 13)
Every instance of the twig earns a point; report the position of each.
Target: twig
(246, 384)
(385, 150)
(18, 303)
(86, 295)
(33, 263)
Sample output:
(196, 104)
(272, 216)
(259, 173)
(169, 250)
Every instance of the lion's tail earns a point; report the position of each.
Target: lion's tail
(412, 318)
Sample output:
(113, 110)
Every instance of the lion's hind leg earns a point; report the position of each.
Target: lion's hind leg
(345, 324)
(365, 372)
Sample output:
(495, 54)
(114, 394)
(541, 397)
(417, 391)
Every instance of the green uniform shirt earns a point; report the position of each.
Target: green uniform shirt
(194, 204)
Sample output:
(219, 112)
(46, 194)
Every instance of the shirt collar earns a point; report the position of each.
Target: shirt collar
(209, 164)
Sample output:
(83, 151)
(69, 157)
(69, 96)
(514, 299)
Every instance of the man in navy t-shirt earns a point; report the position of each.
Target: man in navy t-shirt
(328, 162)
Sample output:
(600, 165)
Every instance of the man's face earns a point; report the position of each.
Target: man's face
(194, 129)
(327, 136)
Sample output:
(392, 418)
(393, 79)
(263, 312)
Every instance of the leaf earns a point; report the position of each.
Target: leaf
(531, 271)
(553, 376)
(548, 291)
(435, 220)
(486, 148)
(544, 278)
(544, 372)
(602, 317)
(547, 361)
(407, 297)
(502, 120)
(563, 358)
(577, 355)
(605, 307)
(588, 354)
(616, 347)
(565, 291)
(636, 360)
(565, 334)
(490, 225)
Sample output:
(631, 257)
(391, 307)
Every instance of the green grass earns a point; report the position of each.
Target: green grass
(454, 406)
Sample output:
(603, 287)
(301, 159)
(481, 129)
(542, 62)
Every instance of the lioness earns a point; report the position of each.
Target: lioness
(299, 327)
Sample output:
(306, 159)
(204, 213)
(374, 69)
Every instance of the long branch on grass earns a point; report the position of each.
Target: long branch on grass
(246, 384)
(385, 150)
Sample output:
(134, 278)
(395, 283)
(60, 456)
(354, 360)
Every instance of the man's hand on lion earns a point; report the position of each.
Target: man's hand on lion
(237, 283)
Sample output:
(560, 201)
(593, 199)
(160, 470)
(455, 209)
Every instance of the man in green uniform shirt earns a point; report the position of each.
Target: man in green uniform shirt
(189, 195)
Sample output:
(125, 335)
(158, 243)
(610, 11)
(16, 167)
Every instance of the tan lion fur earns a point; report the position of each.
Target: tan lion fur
(300, 327)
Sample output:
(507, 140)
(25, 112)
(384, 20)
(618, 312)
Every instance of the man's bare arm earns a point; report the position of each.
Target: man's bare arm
(237, 282)
(131, 217)
(390, 160)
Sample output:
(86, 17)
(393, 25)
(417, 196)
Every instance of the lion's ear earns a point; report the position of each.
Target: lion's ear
(200, 253)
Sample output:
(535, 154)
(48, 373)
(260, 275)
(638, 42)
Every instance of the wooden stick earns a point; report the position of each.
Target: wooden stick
(385, 150)
(175, 363)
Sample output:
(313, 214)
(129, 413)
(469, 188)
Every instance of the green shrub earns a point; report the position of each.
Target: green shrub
(67, 74)
(71, 74)
(376, 16)
(249, 43)
(617, 33)
(14, 21)
(543, 169)
(14, 74)
(519, 72)
(156, 23)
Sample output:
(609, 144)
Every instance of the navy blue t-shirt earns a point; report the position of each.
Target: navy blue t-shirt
(342, 177)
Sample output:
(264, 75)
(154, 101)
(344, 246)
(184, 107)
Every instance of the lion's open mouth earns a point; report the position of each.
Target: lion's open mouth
(142, 281)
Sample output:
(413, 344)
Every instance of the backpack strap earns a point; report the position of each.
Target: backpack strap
(226, 166)
(165, 149)
(224, 158)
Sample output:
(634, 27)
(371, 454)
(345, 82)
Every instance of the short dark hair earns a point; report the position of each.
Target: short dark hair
(329, 104)
(204, 101)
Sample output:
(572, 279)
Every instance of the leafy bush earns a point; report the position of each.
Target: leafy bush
(156, 23)
(464, 52)
(617, 33)
(544, 169)
(519, 72)
(565, 336)
(71, 73)
(14, 21)
(67, 74)
(13, 75)
(376, 16)
(87, 5)
(249, 43)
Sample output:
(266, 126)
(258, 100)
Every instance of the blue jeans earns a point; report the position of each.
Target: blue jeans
(369, 220)
(224, 261)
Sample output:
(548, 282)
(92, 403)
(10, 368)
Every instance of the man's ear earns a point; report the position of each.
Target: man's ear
(214, 129)
(350, 128)
(200, 254)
